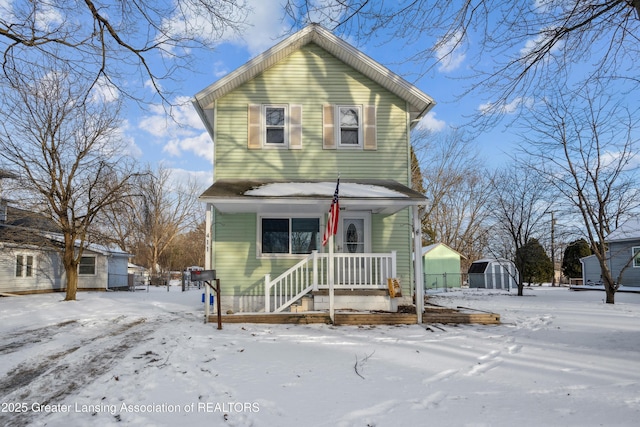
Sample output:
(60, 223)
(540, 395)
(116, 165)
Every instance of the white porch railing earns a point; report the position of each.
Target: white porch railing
(350, 271)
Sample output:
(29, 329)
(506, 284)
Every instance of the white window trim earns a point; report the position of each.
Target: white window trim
(263, 113)
(636, 259)
(95, 266)
(261, 255)
(338, 135)
(23, 274)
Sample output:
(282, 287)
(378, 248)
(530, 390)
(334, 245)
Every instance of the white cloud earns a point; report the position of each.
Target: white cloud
(180, 176)
(450, 52)
(179, 131)
(200, 145)
(429, 122)
(104, 91)
(182, 120)
(47, 17)
(130, 146)
(505, 108)
(265, 26)
(611, 160)
(261, 27)
(538, 43)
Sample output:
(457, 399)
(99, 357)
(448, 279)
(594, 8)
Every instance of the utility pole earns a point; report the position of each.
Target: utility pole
(553, 253)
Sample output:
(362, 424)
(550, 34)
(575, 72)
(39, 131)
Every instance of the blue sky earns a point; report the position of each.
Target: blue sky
(184, 146)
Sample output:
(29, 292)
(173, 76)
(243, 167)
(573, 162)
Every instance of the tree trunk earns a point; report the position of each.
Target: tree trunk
(608, 282)
(72, 282)
(520, 288)
(71, 269)
(611, 292)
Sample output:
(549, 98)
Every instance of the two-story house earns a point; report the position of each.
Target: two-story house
(285, 126)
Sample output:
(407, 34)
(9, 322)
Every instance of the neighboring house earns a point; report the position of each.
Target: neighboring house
(622, 256)
(493, 274)
(29, 262)
(591, 271)
(441, 267)
(285, 126)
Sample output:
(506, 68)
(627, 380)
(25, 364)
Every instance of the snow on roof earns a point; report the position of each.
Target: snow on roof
(630, 230)
(322, 189)
(429, 248)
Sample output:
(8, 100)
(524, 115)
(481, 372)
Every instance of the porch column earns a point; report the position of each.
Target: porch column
(417, 262)
(207, 258)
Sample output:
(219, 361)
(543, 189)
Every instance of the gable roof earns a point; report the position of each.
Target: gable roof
(431, 247)
(419, 102)
(630, 230)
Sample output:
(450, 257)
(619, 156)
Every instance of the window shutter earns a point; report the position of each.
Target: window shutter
(254, 134)
(369, 129)
(295, 127)
(328, 128)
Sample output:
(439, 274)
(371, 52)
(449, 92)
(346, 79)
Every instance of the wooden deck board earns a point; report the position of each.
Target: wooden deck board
(362, 318)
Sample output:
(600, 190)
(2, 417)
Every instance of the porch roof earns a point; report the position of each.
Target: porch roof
(309, 196)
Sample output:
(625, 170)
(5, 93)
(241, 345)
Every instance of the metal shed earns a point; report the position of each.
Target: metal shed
(493, 273)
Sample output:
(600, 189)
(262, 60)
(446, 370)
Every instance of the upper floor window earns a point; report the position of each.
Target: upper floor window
(277, 126)
(24, 265)
(275, 121)
(87, 265)
(350, 126)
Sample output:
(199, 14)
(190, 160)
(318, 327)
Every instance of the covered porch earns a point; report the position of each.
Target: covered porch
(355, 266)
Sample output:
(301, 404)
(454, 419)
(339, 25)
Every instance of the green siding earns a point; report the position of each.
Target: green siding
(441, 268)
(242, 272)
(311, 77)
(392, 233)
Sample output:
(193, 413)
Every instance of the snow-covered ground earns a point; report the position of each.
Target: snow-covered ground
(560, 358)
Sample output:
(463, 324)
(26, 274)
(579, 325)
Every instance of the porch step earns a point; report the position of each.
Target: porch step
(376, 319)
(434, 313)
(362, 318)
(457, 317)
(352, 292)
(274, 318)
(321, 317)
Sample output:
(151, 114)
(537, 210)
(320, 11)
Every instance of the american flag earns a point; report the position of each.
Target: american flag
(332, 221)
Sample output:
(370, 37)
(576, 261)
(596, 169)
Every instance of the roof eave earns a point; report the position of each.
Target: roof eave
(420, 103)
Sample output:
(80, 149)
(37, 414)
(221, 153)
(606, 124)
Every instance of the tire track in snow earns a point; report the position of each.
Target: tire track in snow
(17, 340)
(47, 378)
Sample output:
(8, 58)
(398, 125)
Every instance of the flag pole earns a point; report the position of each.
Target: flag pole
(331, 279)
(331, 230)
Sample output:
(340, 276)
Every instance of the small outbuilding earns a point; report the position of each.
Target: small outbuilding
(493, 273)
(441, 267)
(591, 271)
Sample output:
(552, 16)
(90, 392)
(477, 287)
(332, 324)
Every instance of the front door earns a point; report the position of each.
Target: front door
(354, 237)
(354, 233)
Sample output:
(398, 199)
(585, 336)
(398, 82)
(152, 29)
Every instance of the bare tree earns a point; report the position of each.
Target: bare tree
(114, 42)
(67, 154)
(529, 43)
(186, 250)
(520, 202)
(456, 185)
(584, 143)
(164, 209)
